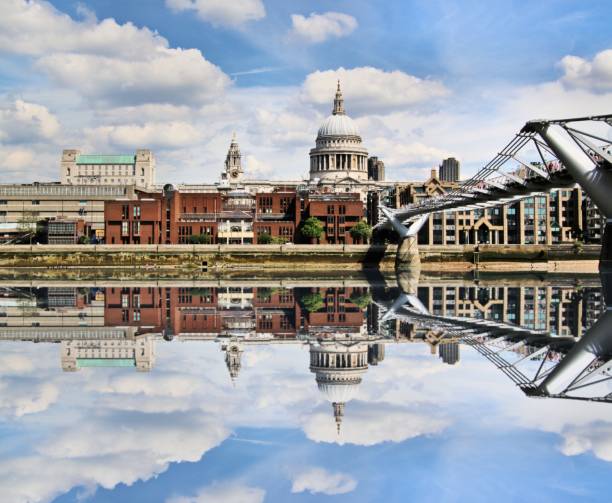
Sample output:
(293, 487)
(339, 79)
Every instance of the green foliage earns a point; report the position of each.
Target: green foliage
(279, 240)
(312, 228)
(362, 300)
(264, 294)
(361, 231)
(312, 302)
(264, 239)
(200, 239)
(84, 240)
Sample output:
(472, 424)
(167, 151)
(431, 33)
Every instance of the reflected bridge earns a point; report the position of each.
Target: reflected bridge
(540, 363)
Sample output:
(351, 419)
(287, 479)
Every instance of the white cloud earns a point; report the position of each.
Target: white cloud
(592, 437)
(369, 90)
(36, 28)
(373, 423)
(594, 75)
(228, 492)
(22, 122)
(155, 135)
(19, 398)
(318, 28)
(15, 364)
(257, 169)
(318, 480)
(131, 65)
(16, 159)
(176, 76)
(220, 12)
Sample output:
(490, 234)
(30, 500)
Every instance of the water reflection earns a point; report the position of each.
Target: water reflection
(521, 327)
(158, 374)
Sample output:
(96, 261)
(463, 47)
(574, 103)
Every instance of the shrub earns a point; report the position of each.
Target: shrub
(361, 231)
(312, 228)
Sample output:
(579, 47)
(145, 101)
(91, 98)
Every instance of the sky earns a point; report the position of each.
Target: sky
(418, 430)
(423, 80)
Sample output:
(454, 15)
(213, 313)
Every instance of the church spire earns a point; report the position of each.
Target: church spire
(233, 164)
(338, 102)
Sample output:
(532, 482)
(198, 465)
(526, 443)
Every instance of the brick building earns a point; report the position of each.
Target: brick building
(337, 212)
(276, 215)
(228, 217)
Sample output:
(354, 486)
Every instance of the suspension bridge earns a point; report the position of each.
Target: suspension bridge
(567, 151)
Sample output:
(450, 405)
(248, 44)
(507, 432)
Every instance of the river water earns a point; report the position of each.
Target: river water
(252, 390)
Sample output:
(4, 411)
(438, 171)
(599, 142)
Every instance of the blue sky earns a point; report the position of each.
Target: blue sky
(418, 430)
(423, 79)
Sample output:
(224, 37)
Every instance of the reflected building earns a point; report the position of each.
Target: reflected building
(449, 352)
(338, 367)
(138, 353)
(233, 357)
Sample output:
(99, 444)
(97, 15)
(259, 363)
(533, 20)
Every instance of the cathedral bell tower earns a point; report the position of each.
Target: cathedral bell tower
(233, 165)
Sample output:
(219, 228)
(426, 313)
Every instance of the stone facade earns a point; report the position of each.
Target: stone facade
(81, 169)
(339, 152)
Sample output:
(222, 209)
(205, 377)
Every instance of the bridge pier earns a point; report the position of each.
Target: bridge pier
(407, 257)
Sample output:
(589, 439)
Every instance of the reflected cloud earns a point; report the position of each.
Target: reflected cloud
(318, 480)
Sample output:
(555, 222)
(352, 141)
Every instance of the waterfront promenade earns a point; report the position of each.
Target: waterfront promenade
(189, 259)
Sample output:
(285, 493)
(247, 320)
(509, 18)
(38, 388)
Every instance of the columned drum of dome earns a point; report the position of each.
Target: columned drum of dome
(339, 152)
(338, 368)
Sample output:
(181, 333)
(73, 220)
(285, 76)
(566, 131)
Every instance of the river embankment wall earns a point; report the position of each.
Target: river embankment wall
(198, 258)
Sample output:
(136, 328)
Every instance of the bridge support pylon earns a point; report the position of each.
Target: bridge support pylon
(407, 257)
(593, 177)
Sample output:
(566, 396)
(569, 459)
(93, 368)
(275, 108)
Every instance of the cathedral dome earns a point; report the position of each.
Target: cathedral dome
(339, 392)
(338, 153)
(338, 125)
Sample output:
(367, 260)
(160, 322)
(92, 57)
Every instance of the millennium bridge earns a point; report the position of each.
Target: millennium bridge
(566, 151)
(542, 364)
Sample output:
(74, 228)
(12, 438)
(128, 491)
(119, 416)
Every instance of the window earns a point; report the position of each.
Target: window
(265, 204)
(125, 300)
(36, 202)
(285, 202)
(330, 209)
(2, 213)
(3, 201)
(125, 229)
(136, 211)
(125, 211)
(136, 228)
(136, 315)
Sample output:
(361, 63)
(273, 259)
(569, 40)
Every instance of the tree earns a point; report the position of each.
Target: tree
(312, 302)
(199, 239)
(362, 300)
(361, 231)
(312, 228)
(264, 239)
(84, 240)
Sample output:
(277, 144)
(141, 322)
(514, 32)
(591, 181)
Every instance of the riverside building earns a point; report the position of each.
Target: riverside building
(119, 201)
(551, 218)
(82, 169)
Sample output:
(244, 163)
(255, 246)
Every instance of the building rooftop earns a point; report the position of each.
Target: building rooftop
(105, 159)
(105, 362)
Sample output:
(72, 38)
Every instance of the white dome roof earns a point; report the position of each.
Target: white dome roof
(338, 125)
(338, 392)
